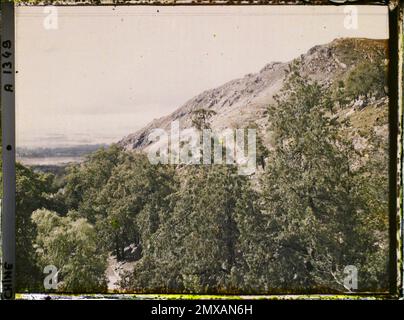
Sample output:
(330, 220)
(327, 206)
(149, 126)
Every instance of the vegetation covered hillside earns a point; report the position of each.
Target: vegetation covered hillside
(317, 204)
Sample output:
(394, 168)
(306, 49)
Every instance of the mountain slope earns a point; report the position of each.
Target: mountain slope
(245, 100)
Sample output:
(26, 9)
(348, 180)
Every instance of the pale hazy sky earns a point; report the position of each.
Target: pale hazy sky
(105, 72)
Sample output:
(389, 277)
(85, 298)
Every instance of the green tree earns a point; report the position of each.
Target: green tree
(72, 246)
(83, 181)
(313, 213)
(201, 118)
(129, 202)
(371, 190)
(32, 192)
(365, 80)
(195, 249)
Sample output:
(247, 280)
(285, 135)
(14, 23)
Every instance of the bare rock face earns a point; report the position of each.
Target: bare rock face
(245, 100)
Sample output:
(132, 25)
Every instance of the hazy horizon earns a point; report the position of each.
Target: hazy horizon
(88, 83)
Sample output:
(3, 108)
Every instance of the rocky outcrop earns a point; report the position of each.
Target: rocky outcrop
(238, 102)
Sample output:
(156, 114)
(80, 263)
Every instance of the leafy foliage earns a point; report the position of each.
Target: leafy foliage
(201, 118)
(195, 248)
(312, 194)
(72, 246)
(32, 193)
(366, 80)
